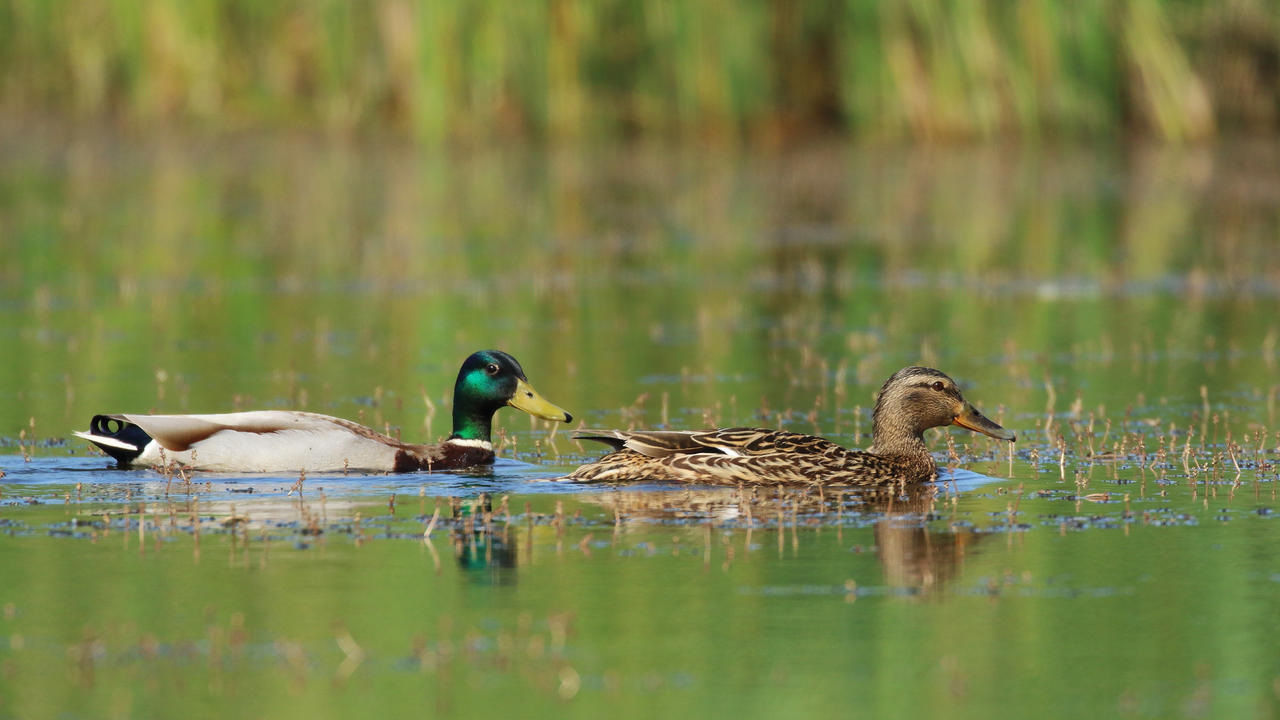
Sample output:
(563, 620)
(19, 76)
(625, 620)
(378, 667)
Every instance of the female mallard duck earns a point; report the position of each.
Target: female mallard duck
(292, 441)
(913, 400)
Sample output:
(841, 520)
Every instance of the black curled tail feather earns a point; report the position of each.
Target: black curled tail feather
(608, 437)
(117, 427)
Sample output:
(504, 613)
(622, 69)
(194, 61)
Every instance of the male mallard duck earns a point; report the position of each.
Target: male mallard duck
(292, 441)
(913, 400)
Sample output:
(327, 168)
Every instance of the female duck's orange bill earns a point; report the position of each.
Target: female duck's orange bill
(973, 420)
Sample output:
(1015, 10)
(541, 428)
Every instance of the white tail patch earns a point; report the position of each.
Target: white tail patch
(109, 441)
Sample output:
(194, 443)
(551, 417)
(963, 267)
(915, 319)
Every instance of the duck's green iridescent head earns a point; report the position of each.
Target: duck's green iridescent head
(489, 380)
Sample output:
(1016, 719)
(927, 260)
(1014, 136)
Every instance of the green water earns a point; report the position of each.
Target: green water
(1099, 302)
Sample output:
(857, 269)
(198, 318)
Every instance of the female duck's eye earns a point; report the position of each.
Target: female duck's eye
(491, 368)
(937, 385)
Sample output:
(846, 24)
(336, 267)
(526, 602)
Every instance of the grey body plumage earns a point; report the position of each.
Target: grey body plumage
(292, 441)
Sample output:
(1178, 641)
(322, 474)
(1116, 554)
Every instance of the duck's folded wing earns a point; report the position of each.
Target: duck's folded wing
(651, 443)
(746, 442)
(177, 433)
(734, 442)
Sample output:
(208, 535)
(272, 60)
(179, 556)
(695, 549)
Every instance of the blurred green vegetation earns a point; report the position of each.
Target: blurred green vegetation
(463, 70)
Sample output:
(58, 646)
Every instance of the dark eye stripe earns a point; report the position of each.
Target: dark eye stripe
(950, 390)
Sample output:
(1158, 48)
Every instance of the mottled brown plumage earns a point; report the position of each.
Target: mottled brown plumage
(913, 400)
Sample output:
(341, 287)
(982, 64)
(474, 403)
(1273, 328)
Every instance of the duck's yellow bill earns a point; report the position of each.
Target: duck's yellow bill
(971, 419)
(528, 400)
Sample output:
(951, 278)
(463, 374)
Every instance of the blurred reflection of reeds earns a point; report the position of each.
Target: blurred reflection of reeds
(200, 275)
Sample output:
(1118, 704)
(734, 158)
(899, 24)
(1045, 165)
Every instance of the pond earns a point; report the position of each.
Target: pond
(1116, 307)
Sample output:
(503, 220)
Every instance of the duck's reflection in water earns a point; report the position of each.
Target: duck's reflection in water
(486, 555)
(913, 552)
(484, 548)
(916, 551)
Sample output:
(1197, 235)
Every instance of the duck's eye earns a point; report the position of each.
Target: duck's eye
(491, 368)
(937, 385)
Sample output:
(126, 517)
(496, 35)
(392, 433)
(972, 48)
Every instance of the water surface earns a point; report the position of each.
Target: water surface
(1116, 308)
